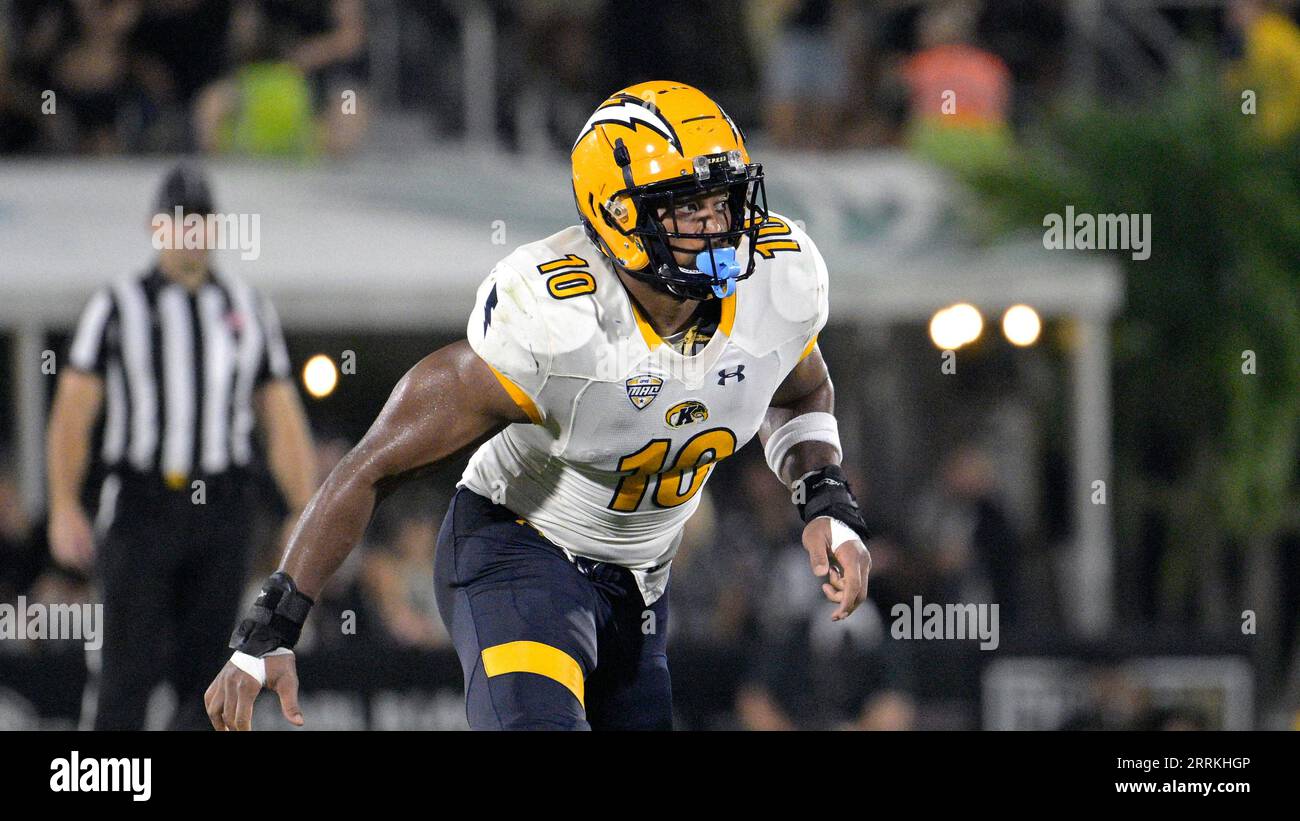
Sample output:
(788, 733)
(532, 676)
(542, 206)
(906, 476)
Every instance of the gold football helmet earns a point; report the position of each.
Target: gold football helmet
(647, 148)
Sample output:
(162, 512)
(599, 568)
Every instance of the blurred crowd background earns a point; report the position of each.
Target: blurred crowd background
(260, 76)
(1114, 107)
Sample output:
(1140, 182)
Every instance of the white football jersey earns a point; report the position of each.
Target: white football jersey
(626, 430)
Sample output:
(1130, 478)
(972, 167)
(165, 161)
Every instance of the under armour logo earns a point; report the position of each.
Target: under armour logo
(738, 374)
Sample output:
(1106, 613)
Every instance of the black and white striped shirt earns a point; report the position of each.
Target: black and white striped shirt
(180, 371)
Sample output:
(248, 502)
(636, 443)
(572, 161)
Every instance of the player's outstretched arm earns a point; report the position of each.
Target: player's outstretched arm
(449, 400)
(801, 441)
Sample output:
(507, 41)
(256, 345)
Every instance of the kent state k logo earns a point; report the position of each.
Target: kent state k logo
(738, 374)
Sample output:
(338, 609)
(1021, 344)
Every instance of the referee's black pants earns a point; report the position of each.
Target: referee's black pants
(171, 575)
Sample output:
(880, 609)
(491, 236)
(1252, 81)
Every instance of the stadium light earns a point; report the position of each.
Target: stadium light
(1021, 325)
(320, 376)
(956, 325)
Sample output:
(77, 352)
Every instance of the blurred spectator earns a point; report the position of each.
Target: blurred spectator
(814, 674)
(397, 573)
(187, 38)
(109, 93)
(264, 107)
(183, 43)
(326, 40)
(95, 76)
(745, 581)
(553, 70)
(809, 46)
(429, 65)
(877, 96)
(959, 93)
(725, 556)
(1270, 64)
(294, 89)
(973, 548)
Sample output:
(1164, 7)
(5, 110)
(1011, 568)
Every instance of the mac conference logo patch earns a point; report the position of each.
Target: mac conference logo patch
(686, 413)
(642, 389)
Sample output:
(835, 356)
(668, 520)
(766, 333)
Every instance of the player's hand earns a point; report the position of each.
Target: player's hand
(848, 564)
(229, 699)
(72, 541)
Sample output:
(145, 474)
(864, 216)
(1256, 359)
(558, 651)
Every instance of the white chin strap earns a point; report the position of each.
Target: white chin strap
(254, 666)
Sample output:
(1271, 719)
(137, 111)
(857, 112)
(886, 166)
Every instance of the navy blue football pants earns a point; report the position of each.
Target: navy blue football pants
(544, 642)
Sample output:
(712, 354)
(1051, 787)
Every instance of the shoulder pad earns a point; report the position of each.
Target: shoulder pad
(506, 329)
(798, 280)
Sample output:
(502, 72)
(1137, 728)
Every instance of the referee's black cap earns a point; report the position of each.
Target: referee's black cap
(187, 186)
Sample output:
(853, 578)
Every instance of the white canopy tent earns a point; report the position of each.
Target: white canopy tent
(386, 245)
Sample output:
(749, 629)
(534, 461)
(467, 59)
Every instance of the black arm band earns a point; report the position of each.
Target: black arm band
(826, 492)
(275, 619)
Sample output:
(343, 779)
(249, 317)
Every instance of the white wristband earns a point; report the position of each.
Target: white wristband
(817, 426)
(254, 666)
(840, 532)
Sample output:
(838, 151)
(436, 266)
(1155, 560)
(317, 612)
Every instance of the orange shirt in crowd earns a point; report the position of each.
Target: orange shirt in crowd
(979, 81)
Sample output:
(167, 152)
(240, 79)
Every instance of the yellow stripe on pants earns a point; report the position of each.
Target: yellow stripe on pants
(535, 657)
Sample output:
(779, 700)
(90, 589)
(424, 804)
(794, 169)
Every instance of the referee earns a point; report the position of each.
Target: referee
(183, 362)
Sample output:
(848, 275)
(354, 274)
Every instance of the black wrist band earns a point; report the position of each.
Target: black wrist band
(275, 620)
(826, 492)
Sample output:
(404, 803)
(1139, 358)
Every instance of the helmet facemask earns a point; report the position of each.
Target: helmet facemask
(722, 262)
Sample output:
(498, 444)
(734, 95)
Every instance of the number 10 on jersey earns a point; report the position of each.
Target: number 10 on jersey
(697, 457)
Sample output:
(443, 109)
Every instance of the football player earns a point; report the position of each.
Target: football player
(607, 369)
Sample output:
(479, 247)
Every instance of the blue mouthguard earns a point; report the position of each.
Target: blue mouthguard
(722, 265)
